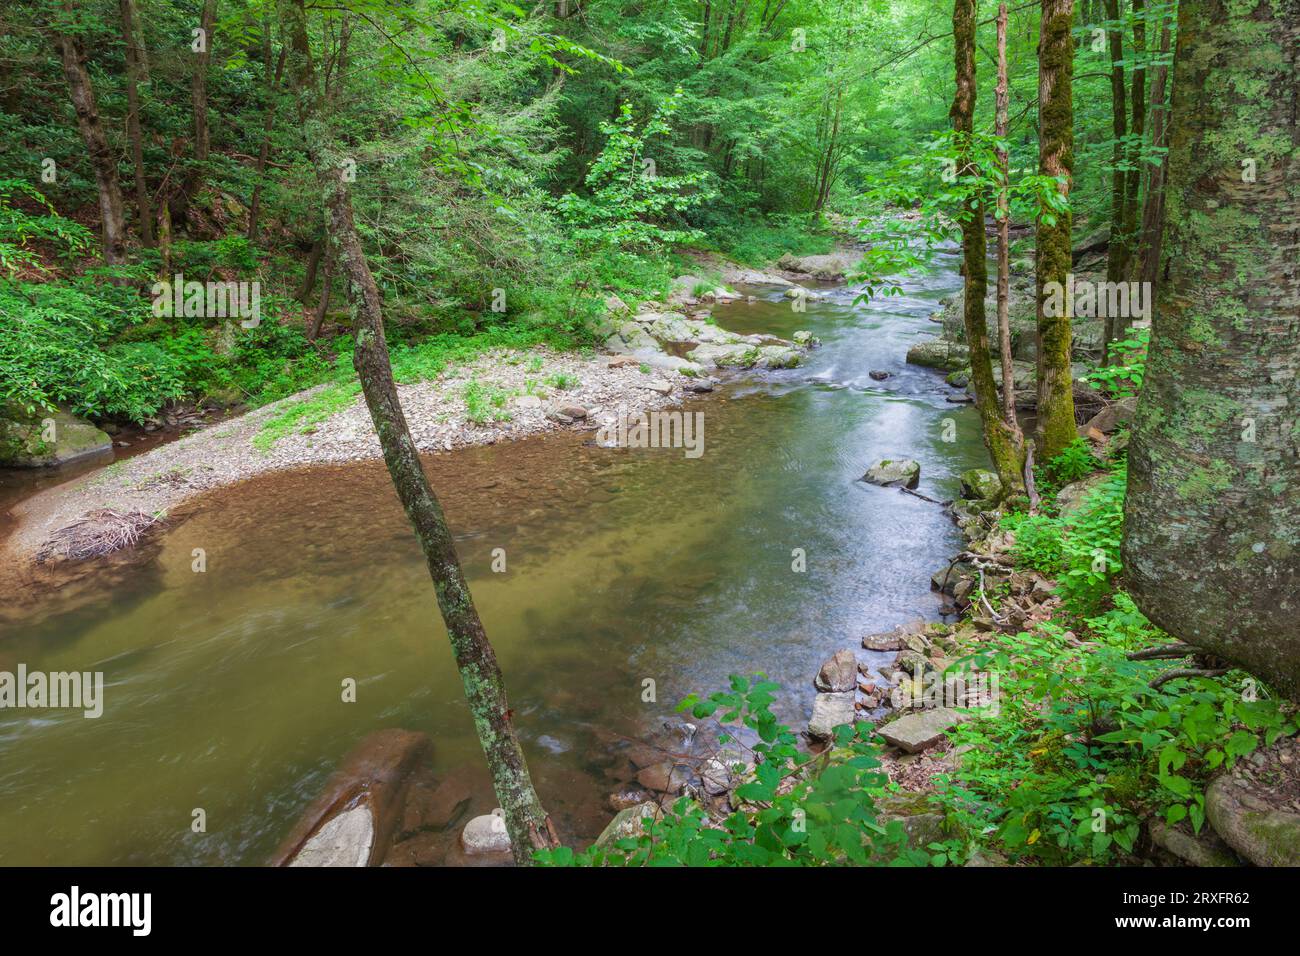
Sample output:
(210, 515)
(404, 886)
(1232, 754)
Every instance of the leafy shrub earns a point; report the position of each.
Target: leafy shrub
(1074, 462)
(1124, 376)
(797, 809)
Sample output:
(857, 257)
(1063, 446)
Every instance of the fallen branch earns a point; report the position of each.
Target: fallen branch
(1162, 652)
(917, 494)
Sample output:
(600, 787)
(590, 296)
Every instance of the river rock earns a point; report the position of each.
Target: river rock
(980, 484)
(486, 834)
(829, 267)
(738, 355)
(838, 673)
(1252, 806)
(627, 823)
(725, 770)
(830, 711)
(1070, 498)
(755, 277)
(616, 306)
(894, 473)
(878, 374)
(921, 824)
(779, 356)
(885, 641)
(920, 730)
(940, 354)
(1203, 849)
(45, 438)
(805, 339)
(374, 779)
(946, 579)
(343, 840)
(1112, 416)
(663, 777)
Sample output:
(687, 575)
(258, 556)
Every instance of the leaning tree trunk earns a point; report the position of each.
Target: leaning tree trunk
(1212, 520)
(1056, 427)
(997, 436)
(102, 158)
(202, 131)
(529, 825)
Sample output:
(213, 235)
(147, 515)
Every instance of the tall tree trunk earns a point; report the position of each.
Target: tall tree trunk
(1117, 253)
(1212, 519)
(997, 436)
(202, 134)
(135, 76)
(1056, 427)
(1153, 206)
(529, 825)
(102, 158)
(1117, 326)
(1001, 96)
(268, 124)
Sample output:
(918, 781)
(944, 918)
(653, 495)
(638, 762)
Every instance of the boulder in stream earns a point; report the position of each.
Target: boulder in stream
(43, 439)
(894, 473)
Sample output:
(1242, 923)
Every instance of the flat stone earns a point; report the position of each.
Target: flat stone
(659, 385)
(628, 823)
(838, 673)
(663, 777)
(344, 840)
(1204, 849)
(887, 641)
(920, 730)
(830, 711)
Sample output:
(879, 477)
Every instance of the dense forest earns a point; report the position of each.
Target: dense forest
(247, 238)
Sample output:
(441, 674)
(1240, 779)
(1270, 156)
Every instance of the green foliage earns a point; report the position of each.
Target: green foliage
(20, 229)
(629, 204)
(796, 810)
(1083, 747)
(1091, 544)
(1075, 461)
(485, 404)
(1123, 377)
(1038, 541)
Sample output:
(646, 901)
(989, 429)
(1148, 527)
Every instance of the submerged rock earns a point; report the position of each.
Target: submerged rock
(894, 473)
(353, 821)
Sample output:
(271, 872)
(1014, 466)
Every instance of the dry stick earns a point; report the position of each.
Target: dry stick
(1030, 490)
(1162, 651)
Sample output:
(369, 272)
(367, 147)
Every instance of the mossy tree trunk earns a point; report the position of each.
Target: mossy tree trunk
(1002, 102)
(133, 40)
(998, 437)
(1056, 427)
(529, 825)
(1147, 266)
(1212, 520)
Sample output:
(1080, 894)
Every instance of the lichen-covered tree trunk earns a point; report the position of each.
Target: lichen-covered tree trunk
(1056, 427)
(1212, 530)
(529, 825)
(997, 435)
(103, 160)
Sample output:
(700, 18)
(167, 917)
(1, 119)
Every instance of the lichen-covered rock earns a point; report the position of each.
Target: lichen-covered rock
(486, 834)
(627, 823)
(894, 473)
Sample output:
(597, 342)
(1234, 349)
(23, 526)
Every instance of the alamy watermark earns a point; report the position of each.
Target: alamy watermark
(656, 429)
(1086, 299)
(178, 298)
(78, 690)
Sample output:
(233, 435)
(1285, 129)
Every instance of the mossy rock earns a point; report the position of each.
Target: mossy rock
(980, 484)
(44, 438)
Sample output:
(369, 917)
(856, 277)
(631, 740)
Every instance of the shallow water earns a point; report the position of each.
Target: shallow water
(224, 687)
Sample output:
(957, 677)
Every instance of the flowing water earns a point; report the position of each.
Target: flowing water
(224, 689)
